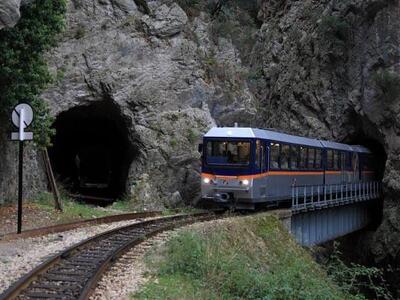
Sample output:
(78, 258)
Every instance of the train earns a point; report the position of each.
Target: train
(245, 168)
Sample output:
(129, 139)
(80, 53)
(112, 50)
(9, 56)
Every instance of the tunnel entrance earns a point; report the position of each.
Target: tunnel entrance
(92, 151)
(377, 150)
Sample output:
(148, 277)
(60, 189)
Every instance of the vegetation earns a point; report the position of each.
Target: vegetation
(74, 210)
(237, 20)
(334, 28)
(23, 70)
(250, 258)
(357, 279)
(388, 84)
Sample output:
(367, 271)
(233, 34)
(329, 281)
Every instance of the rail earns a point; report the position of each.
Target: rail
(311, 197)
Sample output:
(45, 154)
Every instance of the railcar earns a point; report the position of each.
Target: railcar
(247, 167)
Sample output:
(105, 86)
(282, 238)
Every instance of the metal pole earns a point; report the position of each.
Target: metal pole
(20, 175)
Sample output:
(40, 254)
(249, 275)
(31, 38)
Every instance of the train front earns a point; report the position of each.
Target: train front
(227, 167)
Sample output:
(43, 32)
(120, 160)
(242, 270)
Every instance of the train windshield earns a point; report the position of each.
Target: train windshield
(228, 152)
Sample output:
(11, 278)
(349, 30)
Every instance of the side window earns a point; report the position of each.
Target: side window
(329, 159)
(285, 156)
(303, 157)
(294, 150)
(343, 160)
(274, 161)
(336, 160)
(311, 158)
(318, 156)
(262, 157)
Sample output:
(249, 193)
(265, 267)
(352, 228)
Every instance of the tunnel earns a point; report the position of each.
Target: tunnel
(92, 151)
(369, 138)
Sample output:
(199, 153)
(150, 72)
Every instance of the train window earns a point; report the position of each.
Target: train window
(258, 156)
(329, 159)
(294, 150)
(285, 156)
(303, 157)
(228, 152)
(311, 158)
(318, 157)
(336, 160)
(274, 161)
(262, 157)
(343, 160)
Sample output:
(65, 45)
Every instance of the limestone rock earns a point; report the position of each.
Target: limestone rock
(167, 21)
(9, 13)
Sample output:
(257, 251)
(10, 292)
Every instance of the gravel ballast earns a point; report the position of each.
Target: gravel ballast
(20, 256)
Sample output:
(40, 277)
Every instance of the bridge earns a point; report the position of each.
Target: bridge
(321, 213)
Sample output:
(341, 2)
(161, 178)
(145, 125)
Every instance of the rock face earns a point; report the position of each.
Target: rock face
(327, 69)
(154, 69)
(167, 21)
(9, 13)
(331, 69)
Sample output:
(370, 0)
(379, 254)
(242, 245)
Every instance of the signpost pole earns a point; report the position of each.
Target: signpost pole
(20, 168)
(20, 174)
(22, 117)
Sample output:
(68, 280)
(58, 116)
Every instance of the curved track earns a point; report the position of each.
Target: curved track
(73, 274)
(78, 224)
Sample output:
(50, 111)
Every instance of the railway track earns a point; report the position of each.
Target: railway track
(79, 224)
(74, 273)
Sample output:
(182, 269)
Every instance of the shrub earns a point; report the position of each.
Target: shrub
(333, 27)
(356, 279)
(252, 259)
(80, 32)
(388, 84)
(23, 71)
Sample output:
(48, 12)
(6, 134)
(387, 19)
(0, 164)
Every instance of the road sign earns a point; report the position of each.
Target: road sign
(22, 117)
(28, 115)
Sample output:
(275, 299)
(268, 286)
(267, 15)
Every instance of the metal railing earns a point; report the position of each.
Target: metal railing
(309, 197)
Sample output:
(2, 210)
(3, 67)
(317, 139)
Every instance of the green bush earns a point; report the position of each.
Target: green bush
(334, 27)
(23, 70)
(253, 258)
(356, 279)
(388, 84)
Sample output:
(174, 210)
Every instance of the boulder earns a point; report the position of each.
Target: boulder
(9, 13)
(167, 21)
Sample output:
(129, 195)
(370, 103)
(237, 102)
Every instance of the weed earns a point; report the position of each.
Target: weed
(72, 210)
(334, 27)
(173, 142)
(192, 136)
(355, 278)
(388, 84)
(250, 258)
(80, 32)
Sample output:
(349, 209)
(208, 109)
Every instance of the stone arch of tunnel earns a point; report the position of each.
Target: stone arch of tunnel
(92, 150)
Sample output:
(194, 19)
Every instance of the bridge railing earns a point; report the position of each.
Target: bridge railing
(309, 197)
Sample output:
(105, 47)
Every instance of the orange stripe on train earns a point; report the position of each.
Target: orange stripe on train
(276, 173)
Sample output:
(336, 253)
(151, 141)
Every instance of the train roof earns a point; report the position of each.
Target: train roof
(247, 132)
(243, 132)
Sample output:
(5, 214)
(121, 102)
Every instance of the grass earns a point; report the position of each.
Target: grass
(247, 258)
(73, 210)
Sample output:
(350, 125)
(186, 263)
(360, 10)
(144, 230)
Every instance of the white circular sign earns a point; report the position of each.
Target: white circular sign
(28, 114)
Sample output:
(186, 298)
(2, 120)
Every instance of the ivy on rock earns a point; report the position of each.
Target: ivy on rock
(23, 70)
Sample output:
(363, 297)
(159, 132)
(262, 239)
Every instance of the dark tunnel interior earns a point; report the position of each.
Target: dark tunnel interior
(91, 151)
(377, 150)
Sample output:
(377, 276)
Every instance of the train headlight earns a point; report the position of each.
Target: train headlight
(245, 182)
(206, 180)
